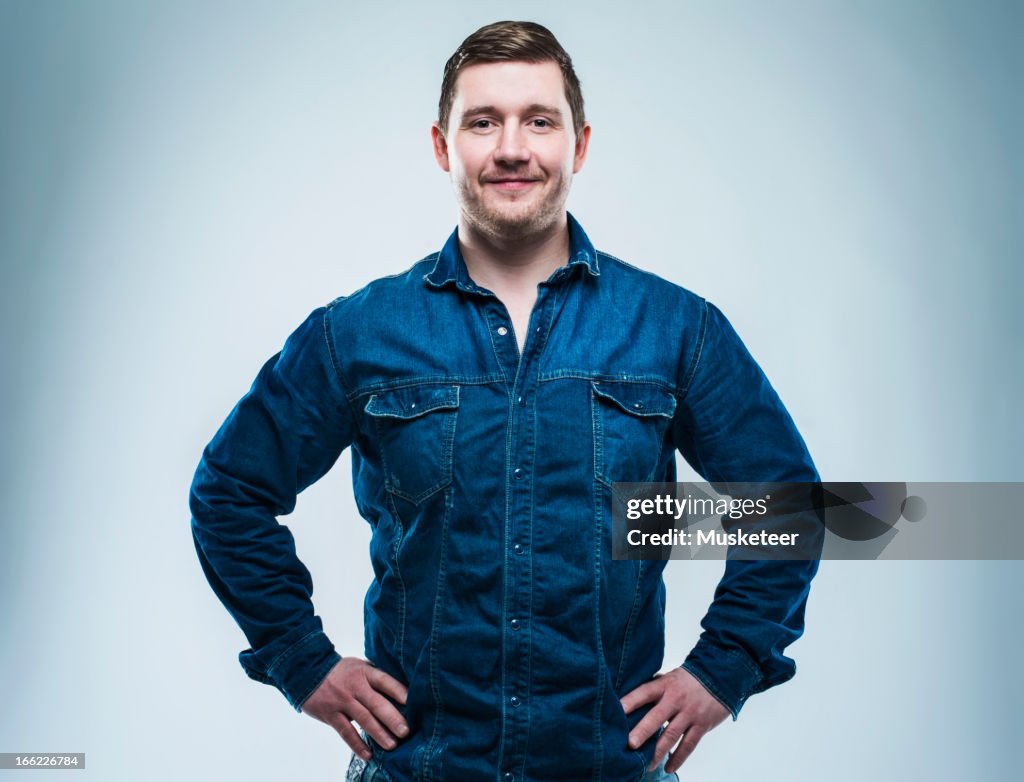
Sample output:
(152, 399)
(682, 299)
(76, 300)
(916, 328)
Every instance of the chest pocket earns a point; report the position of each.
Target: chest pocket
(630, 422)
(415, 429)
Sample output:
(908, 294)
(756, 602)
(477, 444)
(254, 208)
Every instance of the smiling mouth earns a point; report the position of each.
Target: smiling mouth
(511, 183)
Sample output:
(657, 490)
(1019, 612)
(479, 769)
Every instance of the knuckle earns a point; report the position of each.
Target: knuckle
(343, 702)
(347, 732)
(673, 734)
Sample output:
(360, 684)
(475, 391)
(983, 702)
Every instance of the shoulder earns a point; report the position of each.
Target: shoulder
(394, 289)
(404, 299)
(623, 280)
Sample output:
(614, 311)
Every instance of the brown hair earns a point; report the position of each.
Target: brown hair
(510, 42)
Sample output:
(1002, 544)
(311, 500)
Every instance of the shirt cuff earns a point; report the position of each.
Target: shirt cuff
(297, 670)
(729, 675)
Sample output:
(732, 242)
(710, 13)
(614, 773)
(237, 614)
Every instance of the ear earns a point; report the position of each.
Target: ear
(582, 144)
(440, 146)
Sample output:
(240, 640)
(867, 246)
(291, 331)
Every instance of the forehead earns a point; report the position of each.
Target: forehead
(509, 84)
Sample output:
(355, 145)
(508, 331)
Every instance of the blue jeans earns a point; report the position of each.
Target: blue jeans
(361, 771)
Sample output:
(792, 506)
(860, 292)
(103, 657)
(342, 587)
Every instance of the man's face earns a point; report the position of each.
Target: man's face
(510, 147)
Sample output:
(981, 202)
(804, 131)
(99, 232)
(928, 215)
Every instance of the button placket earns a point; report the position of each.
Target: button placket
(518, 573)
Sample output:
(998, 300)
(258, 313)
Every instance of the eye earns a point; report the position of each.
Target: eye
(541, 122)
(480, 124)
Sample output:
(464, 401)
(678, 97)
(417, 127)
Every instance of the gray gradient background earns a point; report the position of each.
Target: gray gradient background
(180, 183)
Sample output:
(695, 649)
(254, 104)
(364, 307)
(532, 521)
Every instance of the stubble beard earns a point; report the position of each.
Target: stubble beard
(513, 219)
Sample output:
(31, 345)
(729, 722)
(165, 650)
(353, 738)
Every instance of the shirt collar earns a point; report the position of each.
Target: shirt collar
(450, 268)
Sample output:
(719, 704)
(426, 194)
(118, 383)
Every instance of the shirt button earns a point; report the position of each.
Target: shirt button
(502, 331)
(509, 776)
(638, 405)
(514, 700)
(518, 548)
(518, 473)
(515, 624)
(519, 400)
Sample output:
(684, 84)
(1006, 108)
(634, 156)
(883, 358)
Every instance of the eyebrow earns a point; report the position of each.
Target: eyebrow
(533, 108)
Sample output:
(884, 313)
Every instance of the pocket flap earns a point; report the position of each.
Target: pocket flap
(413, 401)
(643, 399)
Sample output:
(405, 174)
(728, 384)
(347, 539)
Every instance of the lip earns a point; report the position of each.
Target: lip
(511, 184)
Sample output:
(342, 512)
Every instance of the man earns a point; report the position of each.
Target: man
(491, 395)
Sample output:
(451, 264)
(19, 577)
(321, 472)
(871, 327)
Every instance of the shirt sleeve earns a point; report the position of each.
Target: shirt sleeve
(732, 426)
(283, 435)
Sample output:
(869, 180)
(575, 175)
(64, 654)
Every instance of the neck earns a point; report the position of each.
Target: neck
(522, 260)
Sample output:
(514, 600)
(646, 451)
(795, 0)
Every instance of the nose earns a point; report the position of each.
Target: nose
(512, 146)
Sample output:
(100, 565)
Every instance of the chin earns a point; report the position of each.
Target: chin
(514, 222)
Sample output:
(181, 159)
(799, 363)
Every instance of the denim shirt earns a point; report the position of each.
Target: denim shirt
(485, 475)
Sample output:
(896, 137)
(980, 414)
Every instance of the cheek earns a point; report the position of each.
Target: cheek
(459, 176)
(561, 158)
(467, 160)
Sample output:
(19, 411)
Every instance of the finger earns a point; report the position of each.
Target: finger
(351, 737)
(373, 728)
(645, 693)
(648, 726)
(388, 685)
(685, 748)
(669, 737)
(384, 711)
